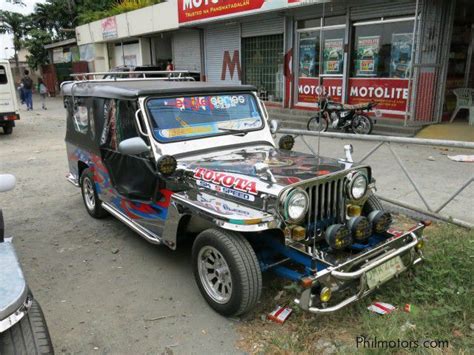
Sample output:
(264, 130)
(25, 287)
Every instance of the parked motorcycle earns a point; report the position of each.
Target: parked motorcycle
(23, 329)
(350, 118)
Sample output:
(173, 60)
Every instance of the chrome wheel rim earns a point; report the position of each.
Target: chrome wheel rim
(214, 274)
(89, 195)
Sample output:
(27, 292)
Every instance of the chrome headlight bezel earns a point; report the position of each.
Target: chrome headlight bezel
(288, 198)
(357, 176)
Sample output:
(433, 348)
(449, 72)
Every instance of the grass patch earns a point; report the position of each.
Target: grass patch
(440, 290)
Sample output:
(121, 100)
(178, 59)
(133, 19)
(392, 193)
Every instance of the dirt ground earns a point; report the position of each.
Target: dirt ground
(103, 289)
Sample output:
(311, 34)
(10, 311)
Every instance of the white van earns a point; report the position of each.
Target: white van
(9, 110)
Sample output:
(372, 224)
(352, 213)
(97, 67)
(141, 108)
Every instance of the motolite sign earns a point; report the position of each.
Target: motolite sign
(391, 94)
(194, 10)
(309, 89)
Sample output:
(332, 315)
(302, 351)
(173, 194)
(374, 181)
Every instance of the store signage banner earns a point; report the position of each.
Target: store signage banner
(193, 10)
(401, 55)
(309, 91)
(333, 56)
(198, 10)
(109, 28)
(367, 55)
(391, 94)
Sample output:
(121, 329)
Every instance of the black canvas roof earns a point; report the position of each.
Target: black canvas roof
(129, 89)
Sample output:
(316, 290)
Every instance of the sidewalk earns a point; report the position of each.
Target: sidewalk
(456, 131)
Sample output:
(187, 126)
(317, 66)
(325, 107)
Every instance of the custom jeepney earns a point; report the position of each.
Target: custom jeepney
(176, 159)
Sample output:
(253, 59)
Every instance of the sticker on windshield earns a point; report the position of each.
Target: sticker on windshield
(181, 118)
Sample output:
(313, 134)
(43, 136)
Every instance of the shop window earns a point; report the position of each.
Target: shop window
(382, 50)
(262, 61)
(3, 75)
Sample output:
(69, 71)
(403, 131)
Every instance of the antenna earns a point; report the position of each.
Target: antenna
(321, 87)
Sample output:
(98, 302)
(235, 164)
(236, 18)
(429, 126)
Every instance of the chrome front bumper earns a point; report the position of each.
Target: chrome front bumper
(340, 274)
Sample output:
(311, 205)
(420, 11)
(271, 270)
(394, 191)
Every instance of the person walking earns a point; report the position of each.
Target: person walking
(27, 90)
(43, 91)
(170, 65)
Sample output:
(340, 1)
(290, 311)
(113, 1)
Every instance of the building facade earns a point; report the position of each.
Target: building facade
(406, 54)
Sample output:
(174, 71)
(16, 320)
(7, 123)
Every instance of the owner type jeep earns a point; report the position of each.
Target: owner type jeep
(174, 159)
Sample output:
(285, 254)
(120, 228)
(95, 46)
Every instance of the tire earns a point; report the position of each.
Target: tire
(28, 336)
(362, 124)
(372, 204)
(7, 129)
(238, 266)
(89, 195)
(314, 126)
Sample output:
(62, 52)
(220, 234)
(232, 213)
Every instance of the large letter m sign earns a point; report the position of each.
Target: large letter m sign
(230, 64)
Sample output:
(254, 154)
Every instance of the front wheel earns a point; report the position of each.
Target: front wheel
(227, 272)
(362, 124)
(317, 125)
(28, 336)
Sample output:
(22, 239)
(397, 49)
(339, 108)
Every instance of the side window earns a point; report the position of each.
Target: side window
(3, 75)
(83, 116)
(119, 123)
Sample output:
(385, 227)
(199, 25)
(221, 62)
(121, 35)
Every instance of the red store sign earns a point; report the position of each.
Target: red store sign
(391, 94)
(309, 90)
(194, 10)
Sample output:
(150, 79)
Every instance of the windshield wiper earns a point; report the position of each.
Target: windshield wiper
(235, 132)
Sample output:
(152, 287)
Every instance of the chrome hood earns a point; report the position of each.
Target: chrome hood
(238, 172)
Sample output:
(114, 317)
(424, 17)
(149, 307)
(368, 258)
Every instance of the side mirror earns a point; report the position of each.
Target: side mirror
(273, 126)
(133, 146)
(7, 182)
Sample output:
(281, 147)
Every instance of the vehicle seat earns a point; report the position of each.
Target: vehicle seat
(355, 107)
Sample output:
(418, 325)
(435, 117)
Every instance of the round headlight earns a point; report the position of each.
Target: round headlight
(358, 186)
(296, 205)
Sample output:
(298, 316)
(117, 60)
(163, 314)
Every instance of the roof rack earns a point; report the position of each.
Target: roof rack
(174, 75)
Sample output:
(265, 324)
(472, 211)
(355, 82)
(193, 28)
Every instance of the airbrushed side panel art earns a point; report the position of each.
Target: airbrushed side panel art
(150, 215)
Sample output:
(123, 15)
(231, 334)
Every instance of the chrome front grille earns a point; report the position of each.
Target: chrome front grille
(327, 203)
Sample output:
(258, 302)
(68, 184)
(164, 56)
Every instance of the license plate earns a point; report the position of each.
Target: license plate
(384, 272)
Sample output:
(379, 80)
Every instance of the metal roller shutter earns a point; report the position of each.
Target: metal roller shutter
(223, 53)
(263, 27)
(187, 50)
(374, 10)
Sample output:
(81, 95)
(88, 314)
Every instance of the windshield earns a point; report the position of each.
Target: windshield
(182, 118)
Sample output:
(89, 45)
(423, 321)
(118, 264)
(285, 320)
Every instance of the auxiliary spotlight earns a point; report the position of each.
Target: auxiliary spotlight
(338, 236)
(360, 228)
(380, 221)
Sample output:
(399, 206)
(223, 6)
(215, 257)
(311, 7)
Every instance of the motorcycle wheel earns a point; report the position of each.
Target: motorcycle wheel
(315, 125)
(362, 124)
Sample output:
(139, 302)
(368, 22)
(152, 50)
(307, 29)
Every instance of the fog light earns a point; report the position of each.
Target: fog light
(353, 210)
(338, 236)
(360, 228)
(420, 245)
(286, 142)
(325, 294)
(166, 165)
(380, 221)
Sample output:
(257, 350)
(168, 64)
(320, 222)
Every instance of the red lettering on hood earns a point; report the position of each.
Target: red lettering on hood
(227, 180)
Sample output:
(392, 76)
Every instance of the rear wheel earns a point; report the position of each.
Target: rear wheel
(7, 129)
(89, 195)
(362, 124)
(227, 272)
(28, 336)
(317, 125)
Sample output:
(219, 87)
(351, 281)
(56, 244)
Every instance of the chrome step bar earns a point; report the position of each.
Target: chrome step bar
(144, 233)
